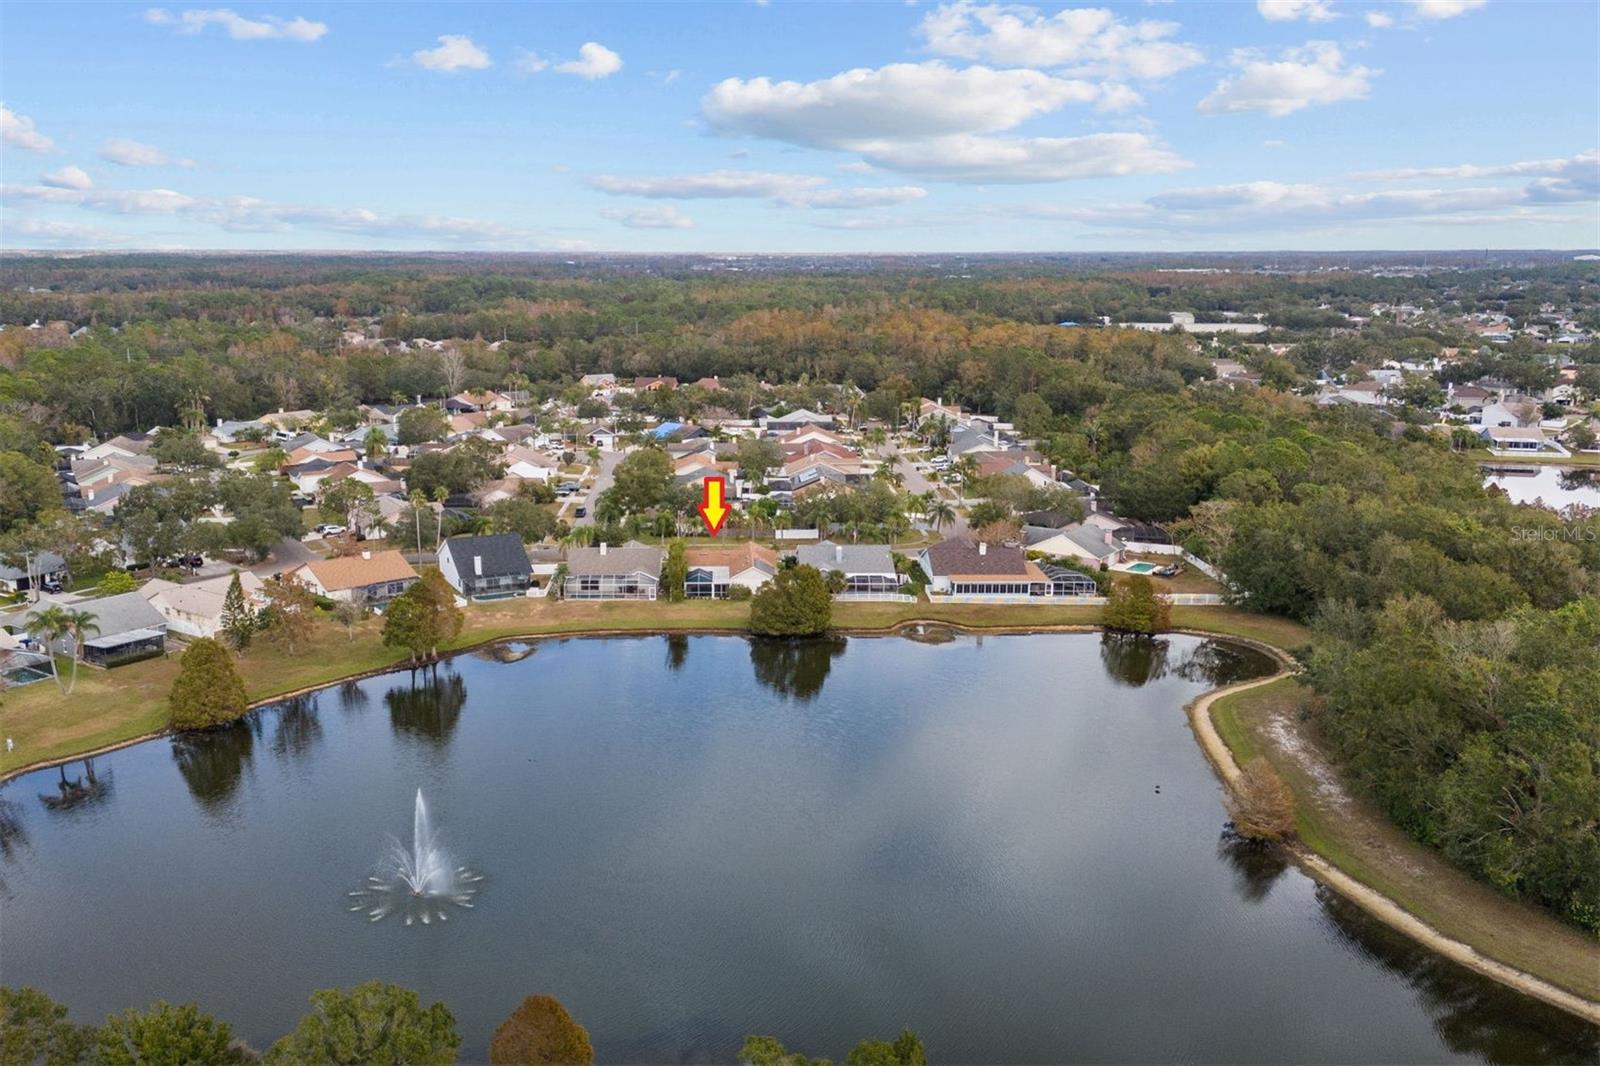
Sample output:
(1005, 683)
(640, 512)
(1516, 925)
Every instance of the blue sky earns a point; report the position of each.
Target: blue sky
(782, 126)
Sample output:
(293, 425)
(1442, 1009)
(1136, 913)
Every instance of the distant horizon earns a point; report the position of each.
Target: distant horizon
(1576, 252)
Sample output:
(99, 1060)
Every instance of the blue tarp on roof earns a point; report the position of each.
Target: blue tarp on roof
(666, 429)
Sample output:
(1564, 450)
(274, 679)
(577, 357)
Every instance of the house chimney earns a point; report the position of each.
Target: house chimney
(477, 566)
(367, 554)
(983, 547)
(219, 423)
(1107, 535)
(838, 553)
(602, 547)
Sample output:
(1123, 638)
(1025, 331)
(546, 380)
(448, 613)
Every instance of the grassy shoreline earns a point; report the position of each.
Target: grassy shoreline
(1354, 838)
(112, 708)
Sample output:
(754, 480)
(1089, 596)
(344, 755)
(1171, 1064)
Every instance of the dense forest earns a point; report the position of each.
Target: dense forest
(1457, 669)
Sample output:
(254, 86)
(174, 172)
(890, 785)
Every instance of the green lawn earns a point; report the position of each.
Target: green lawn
(1359, 840)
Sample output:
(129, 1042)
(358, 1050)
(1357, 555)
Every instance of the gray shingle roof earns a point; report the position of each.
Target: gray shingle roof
(502, 554)
(624, 560)
(847, 558)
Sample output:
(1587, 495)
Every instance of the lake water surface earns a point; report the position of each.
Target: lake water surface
(1011, 844)
(1553, 486)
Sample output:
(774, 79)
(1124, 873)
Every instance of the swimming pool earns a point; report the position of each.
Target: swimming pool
(1141, 568)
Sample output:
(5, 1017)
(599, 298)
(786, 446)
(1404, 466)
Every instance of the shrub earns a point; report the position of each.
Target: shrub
(117, 582)
(372, 1023)
(1132, 606)
(540, 1032)
(739, 592)
(795, 603)
(208, 690)
(165, 1033)
(1261, 804)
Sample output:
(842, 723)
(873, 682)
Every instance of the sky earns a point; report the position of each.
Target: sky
(785, 126)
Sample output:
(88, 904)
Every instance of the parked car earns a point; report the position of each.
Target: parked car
(50, 585)
(581, 512)
(567, 488)
(331, 530)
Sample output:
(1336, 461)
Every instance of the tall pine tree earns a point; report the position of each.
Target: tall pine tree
(238, 622)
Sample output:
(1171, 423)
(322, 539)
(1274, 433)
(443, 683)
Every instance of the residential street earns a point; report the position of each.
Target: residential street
(917, 482)
(608, 468)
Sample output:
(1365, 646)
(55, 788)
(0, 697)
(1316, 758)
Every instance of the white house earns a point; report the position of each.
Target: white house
(195, 610)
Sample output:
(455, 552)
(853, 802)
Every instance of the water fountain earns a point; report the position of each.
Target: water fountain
(419, 883)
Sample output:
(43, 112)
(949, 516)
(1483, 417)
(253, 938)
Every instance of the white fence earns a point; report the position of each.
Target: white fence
(797, 534)
(874, 597)
(1177, 599)
(1140, 547)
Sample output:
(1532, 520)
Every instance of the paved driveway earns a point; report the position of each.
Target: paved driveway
(917, 482)
(287, 553)
(607, 475)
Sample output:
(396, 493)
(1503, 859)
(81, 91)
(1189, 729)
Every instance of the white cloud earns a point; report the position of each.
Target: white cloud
(248, 214)
(1016, 160)
(1584, 163)
(1295, 10)
(594, 60)
(1269, 205)
(128, 153)
(68, 177)
(18, 131)
(858, 198)
(1300, 78)
(710, 185)
(455, 52)
(1444, 9)
(530, 62)
(1087, 41)
(263, 28)
(41, 232)
(664, 216)
(900, 101)
(1379, 20)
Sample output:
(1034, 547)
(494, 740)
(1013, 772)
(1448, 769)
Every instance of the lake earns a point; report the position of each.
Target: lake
(1553, 486)
(1011, 844)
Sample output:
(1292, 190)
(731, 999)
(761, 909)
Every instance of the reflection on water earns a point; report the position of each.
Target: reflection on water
(1548, 486)
(1132, 660)
(1256, 865)
(212, 762)
(298, 729)
(508, 651)
(353, 697)
(677, 651)
(1473, 1016)
(428, 706)
(959, 837)
(795, 668)
(84, 789)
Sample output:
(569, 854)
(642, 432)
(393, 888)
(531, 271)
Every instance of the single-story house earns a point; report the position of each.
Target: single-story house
(1084, 541)
(1514, 438)
(371, 577)
(799, 419)
(866, 567)
(962, 566)
(195, 610)
(631, 572)
(129, 629)
(602, 437)
(486, 567)
(45, 566)
(1065, 582)
(713, 570)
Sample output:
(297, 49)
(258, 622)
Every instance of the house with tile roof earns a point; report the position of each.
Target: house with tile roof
(963, 566)
(713, 569)
(867, 568)
(370, 577)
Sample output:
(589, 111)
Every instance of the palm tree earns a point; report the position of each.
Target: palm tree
(54, 623)
(940, 514)
(79, 625)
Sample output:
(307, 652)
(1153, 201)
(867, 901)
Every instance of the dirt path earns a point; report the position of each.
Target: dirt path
(1373, 902)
